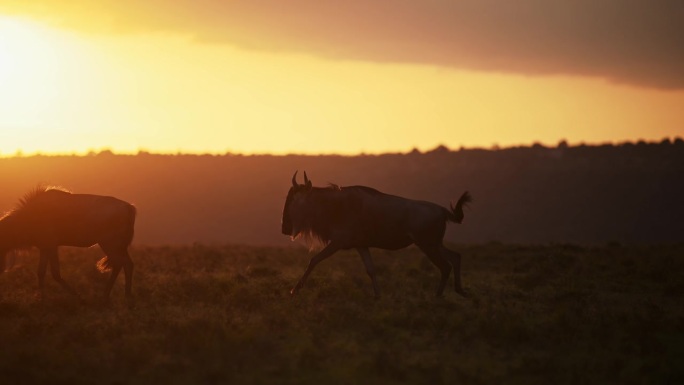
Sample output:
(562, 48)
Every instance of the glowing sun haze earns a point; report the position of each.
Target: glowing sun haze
(310, 76)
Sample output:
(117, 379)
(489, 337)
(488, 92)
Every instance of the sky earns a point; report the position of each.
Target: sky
(316, 76)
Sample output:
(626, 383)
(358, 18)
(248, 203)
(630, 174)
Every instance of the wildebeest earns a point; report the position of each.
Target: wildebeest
(48, 217)
(361, 217)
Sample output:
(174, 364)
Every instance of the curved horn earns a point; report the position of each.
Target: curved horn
(307, 182)
(294, 179)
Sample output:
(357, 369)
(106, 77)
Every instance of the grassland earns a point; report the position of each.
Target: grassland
(222, 314)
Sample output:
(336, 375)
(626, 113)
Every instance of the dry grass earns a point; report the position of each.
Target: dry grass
(204, 315)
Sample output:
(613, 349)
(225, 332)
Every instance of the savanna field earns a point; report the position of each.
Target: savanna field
(223, 314)
(201, 134)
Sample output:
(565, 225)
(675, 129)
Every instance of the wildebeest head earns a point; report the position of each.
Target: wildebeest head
(295, 204)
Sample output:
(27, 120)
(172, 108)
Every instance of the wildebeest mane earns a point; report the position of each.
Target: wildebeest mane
(33, 194)
(366, 189)
(369, 190)
(30, 197)
(15, 214)
(330, 207)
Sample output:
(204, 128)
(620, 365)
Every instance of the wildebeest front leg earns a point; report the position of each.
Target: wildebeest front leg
(329, 250)
(370, 268)
(53, 259)
(42, 268)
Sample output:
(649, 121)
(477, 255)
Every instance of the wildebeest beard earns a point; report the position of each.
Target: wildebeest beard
(323, 208)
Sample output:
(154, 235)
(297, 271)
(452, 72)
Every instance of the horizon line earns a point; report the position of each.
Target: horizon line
(19, 153)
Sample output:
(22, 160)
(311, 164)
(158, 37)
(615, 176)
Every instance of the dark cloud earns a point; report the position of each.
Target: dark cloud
(638, 42)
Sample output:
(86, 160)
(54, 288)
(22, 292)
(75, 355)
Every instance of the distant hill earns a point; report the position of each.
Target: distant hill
(633, 192)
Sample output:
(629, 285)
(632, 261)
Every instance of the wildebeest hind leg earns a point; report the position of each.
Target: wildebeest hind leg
(435, 256)
(116, 268)
(128, 272)
(323, 254)
(48, 255)
(455, 259)
(118, 258)
(42, 268)
(370, 268)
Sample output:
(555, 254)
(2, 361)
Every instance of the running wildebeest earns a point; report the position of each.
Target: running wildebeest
(361, 217)
(47, 218)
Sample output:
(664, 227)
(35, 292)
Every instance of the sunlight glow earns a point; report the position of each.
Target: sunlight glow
(39, 67)
(31, 57)
(62, 91)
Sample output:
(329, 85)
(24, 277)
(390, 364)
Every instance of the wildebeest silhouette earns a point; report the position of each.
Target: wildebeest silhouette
(361, 217)
(49, 217)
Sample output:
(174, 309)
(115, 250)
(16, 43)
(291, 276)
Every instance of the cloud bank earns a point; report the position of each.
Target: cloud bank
(636, 42)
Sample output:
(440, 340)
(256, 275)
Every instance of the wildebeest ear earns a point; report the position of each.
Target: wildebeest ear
(294, 179)
(307, 182)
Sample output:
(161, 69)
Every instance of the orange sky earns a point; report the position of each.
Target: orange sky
(320, 77)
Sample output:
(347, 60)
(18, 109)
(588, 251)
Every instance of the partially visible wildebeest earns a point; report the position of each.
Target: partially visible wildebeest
(47, 218)
(361, 217)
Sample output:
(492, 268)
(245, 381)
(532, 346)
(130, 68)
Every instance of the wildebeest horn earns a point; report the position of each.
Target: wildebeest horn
(307, 182)
(294, 179)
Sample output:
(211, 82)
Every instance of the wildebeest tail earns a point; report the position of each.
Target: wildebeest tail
(456, 213)
(104, 265)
